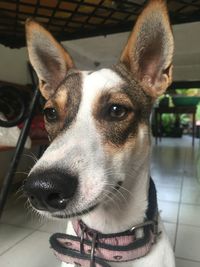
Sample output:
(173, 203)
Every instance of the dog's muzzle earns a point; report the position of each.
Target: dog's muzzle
(50, 191)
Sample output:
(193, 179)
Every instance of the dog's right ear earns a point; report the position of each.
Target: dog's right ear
(48, 58)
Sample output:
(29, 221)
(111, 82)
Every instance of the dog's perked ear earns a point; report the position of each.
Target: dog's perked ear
(149, 50)
(49, 59)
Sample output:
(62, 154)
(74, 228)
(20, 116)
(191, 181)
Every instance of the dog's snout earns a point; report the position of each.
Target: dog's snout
(50, 191)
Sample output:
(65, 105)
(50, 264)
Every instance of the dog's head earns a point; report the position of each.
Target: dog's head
(98, 121)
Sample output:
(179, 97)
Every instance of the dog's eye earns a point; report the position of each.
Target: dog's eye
(118, 112)
(50, 114)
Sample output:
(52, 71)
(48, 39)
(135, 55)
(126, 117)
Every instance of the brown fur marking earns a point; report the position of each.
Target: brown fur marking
(66, 101)
(132, 96)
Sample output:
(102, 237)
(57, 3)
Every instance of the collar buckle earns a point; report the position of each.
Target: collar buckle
(94, 239)
(82, 237)
(93, 245)
(152, 223)
(142, 225)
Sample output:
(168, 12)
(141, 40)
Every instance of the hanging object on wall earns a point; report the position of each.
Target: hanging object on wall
(13, 105)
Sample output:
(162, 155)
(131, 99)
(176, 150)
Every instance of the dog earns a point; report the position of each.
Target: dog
(96, 171)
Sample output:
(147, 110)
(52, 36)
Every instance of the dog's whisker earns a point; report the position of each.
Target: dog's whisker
(113, 197)
(32, 156)
(121, 187)
(107, 196)
(125, 189)
(120, 193)
(19, 191)
(22, 196)
(116, 173)
(21, 172)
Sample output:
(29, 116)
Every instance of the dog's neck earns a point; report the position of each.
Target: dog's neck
(126, 211)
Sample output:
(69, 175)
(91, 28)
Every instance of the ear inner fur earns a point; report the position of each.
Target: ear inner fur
(49, 59)
(149, 50)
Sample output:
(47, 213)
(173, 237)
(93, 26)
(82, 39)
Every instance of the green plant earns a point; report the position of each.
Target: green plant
(184, 119)
(166, 97)
(188, 92)
(168, 121)
(198, 112)
(172, 122)
(198, 167)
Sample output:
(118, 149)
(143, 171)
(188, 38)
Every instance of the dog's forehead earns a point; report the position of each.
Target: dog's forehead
(94, 84)
(97, 82)
(88, 84)
(101, 79)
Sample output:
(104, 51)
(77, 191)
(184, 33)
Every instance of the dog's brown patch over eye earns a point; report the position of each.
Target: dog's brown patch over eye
(120, 114)
(64, 104)
(115, 117)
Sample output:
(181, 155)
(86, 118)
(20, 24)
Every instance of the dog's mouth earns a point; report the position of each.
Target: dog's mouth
(63, 215)
(76, 214)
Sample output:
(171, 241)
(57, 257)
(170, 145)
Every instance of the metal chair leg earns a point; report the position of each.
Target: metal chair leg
(20, 145)
(18, 152)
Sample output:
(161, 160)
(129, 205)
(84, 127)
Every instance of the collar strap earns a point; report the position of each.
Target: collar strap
(91, 248)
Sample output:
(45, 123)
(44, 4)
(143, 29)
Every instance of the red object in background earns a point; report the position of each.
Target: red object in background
(37, 130)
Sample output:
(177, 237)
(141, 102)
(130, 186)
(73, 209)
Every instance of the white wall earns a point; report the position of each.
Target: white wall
(13, 65)
(187, 51)
(106, 50)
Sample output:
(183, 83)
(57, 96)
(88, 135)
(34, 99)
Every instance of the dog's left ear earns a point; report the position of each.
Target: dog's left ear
(149, 51)
(48, 58)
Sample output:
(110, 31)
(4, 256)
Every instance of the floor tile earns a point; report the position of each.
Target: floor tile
(33, 251)
(191, 190)
(10, 235)
(54, 226)
(13, 200)
(171, 232)
(191, 181)
(169, 158)
(191, 161)
(185, 263)
(167, 179)
(20, 216)
(188, 243)
(191, 196)
(189, 214)
(168, 211)
(168, 194)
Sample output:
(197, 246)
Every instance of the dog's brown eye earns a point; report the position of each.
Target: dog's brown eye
(50, 114)
(118, 112)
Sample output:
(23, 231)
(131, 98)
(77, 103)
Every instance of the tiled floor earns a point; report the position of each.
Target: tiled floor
(174, 172)
(24, 238)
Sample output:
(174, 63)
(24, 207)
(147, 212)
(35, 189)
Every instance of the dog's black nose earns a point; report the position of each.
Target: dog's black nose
(50, 191)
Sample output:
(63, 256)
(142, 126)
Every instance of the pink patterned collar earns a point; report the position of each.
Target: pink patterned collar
(90, 248)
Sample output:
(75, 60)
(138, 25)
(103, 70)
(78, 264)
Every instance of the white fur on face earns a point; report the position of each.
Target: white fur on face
(79, 149)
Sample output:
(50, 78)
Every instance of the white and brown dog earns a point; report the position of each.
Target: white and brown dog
(96, 168)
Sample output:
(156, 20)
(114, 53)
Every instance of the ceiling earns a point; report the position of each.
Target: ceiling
(75, 19)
